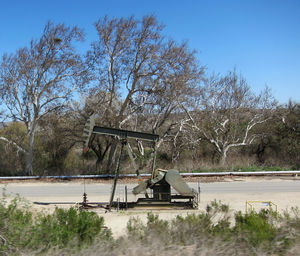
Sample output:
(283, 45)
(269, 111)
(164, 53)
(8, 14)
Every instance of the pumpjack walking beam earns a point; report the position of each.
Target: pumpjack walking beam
(125, 133)
(90, 128)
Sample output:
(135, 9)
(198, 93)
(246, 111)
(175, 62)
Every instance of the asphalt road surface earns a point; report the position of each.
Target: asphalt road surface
(71, 189)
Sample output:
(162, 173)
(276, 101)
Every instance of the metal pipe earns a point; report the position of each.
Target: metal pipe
(106, 176)
(126, 206)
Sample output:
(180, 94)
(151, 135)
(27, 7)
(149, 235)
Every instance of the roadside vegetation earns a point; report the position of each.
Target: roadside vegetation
(216, 231)
(23, 231)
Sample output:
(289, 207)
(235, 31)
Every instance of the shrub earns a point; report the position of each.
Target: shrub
(256, 228)
(19, 229)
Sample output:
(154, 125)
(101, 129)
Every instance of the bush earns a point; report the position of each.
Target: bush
(66, 226)
(256, 228)
(19, 229)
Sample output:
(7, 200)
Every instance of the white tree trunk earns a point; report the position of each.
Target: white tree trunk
(29, 152)
(111, 164)
(223, 158)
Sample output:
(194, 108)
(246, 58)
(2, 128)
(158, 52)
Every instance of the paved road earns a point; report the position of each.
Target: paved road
(71, 189)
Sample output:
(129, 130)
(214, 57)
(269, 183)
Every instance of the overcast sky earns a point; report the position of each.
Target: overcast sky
(260, 38)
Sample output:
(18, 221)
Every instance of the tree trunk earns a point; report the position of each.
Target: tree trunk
(99, 162)
(111, 158)
(97, 148)
(223, 157)
(29, 155)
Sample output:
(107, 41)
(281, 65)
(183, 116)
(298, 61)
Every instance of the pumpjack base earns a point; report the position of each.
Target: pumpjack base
(177, 201)
(159, 200)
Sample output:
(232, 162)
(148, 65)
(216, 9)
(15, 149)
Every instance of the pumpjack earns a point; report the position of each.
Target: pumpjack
(160, 183)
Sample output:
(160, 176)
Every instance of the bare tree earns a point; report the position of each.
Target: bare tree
(228, 112)
(132, 62)
(163, 115)
(40, 78)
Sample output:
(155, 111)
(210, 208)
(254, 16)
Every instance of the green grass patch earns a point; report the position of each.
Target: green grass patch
(242, 169)
(259, 168)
